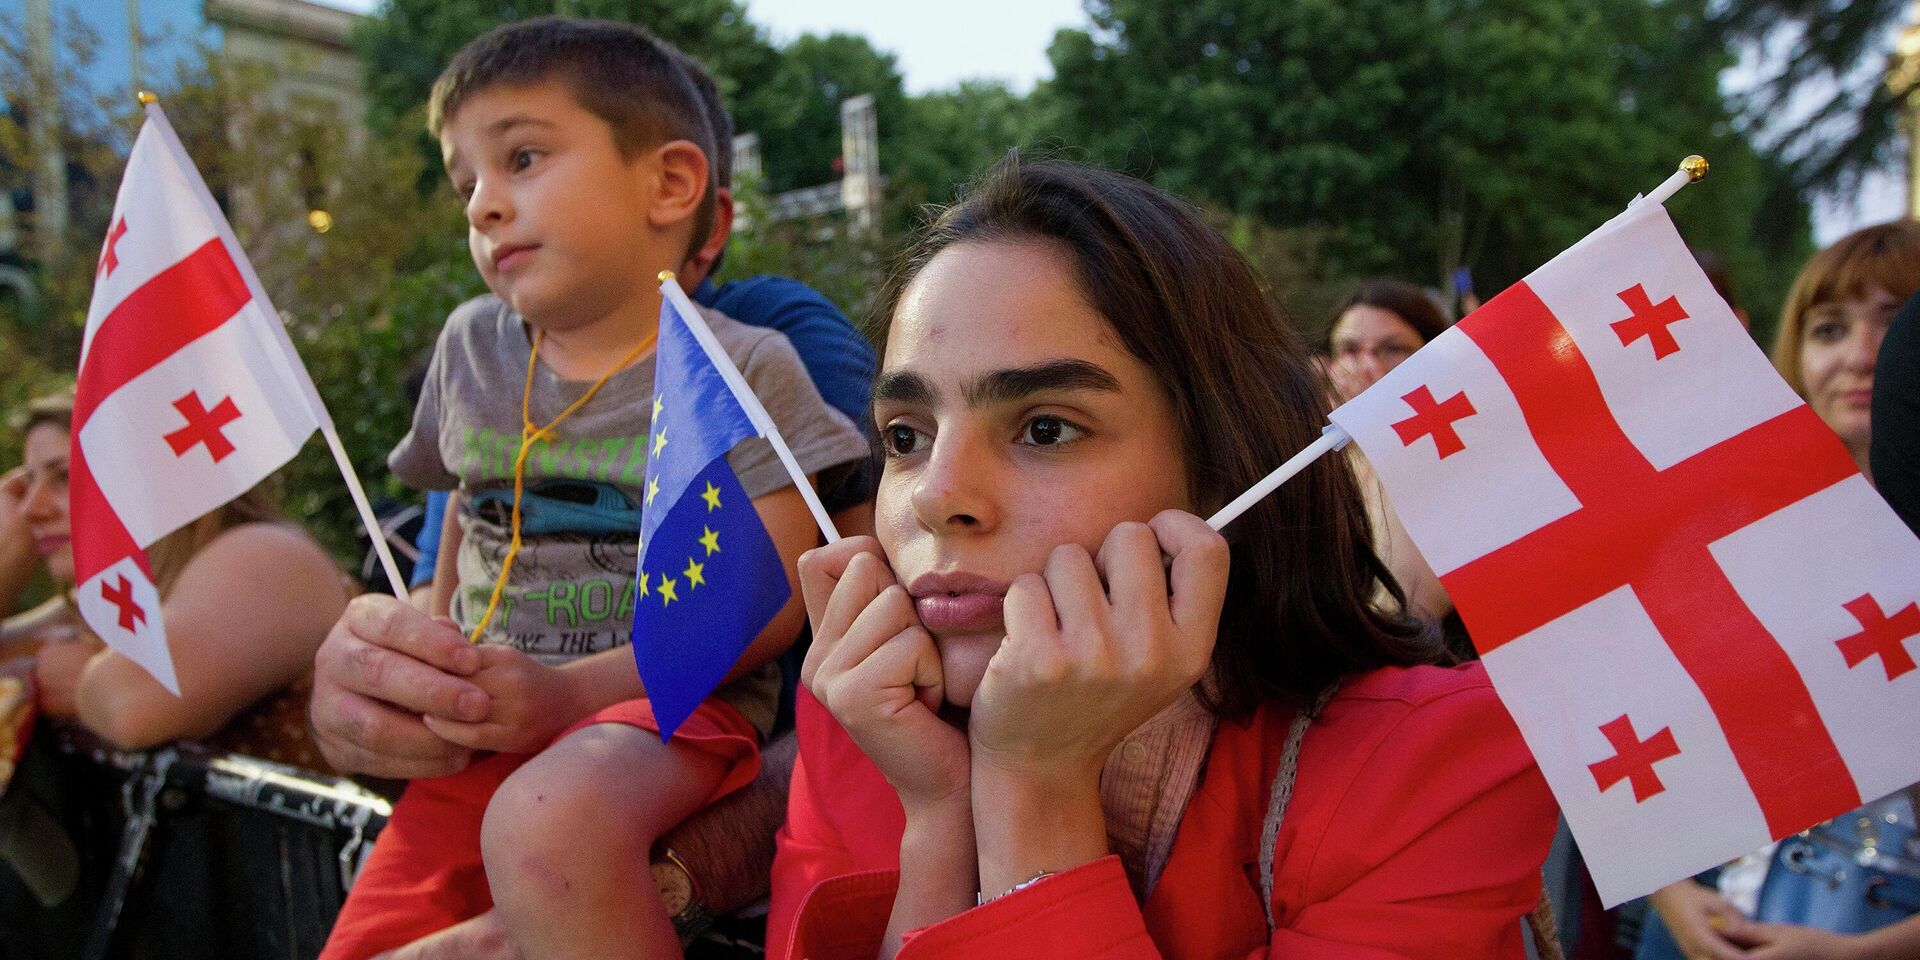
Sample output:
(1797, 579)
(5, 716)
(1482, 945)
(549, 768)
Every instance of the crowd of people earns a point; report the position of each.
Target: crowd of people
(1030, 705)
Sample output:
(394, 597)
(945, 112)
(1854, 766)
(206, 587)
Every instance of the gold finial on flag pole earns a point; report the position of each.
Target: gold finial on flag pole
(146, 97)
(666, 275)
(1691, 170)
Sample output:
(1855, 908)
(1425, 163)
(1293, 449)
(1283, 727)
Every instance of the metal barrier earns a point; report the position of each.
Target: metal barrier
(188, 852)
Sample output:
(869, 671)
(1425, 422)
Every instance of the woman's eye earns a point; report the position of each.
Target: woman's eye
(1827, 331)
(523, 158)
(1049, 431)
(901, 440)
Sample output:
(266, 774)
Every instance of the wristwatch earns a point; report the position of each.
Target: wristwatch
(681, 895)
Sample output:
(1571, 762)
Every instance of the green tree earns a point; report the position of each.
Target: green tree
(1839, 49)
(1406, 139)
(816, 74)
(406, 44)
(947, 137)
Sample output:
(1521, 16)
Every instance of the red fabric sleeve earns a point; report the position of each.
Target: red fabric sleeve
(827, 902)
(1421, 839)
(1087, 912)
(1434, 847)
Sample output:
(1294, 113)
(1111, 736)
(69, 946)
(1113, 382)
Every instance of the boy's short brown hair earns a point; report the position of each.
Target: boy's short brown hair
(718, 119)
(636, 82)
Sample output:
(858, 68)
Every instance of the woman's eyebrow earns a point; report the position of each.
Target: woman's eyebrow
(905, 387)
(1013, 384)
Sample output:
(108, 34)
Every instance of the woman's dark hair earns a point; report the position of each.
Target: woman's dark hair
(1299, 612)
(1400, 298)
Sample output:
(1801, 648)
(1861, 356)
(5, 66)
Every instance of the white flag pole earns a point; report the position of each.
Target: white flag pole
(1692, 169)
(291, 366)
(762, 422)
(1331, 438)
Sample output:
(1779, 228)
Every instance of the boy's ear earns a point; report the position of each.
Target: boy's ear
(701, 262)
(680, 174)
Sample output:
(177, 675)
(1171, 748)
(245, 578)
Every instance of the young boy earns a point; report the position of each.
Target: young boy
(582, 151)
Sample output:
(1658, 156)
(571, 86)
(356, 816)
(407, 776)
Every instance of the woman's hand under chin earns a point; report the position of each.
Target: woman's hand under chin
(877, 671)
(1084, 664)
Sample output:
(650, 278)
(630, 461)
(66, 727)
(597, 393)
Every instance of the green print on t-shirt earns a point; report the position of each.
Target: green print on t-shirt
(489, 453)
(567, 603)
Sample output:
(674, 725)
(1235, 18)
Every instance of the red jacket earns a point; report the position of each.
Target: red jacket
(1417, 829)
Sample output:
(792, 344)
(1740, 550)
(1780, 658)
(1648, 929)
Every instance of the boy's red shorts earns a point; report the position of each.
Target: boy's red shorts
(425, 872)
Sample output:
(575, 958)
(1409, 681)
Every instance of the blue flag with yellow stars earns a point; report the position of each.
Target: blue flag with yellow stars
(710, 577)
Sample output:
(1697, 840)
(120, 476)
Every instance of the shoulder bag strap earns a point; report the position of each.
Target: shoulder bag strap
(1541, 920)
(1281, 794)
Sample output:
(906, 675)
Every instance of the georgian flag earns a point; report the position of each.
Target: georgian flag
(1699, 613)
(188, 394)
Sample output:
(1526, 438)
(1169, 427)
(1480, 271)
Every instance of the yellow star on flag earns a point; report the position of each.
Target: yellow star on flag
(712, 496)
(653, 489)
(695, 574)
(643, 585)
(667, 586)
(711, 540)
(659, 402)
(659, 441)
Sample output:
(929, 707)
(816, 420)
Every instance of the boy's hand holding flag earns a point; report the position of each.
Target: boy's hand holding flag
(1696, 608)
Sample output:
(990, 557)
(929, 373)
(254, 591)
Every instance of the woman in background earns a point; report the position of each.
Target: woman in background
(246, 597)
(1382, 324)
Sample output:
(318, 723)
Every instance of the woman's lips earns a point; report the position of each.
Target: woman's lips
(48, 546)
(958, 602)
(960, 613)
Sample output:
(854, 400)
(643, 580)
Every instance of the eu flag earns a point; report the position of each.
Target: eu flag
(709, 578)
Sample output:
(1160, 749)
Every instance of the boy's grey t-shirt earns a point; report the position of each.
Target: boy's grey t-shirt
(572, 594)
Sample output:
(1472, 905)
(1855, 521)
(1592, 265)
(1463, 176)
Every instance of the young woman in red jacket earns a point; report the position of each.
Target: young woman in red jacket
(1053, 713)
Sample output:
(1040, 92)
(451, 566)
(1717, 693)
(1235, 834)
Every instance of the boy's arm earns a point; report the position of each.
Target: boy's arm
(532, 702)
(446, 563)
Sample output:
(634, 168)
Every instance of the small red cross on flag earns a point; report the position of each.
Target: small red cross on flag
(1881, 636)
(109, 258)
(1674, 572)
(1650, 321)
(132, 615)
(189, 393)
(1434, 420)
(1633, 758)
(203, 427)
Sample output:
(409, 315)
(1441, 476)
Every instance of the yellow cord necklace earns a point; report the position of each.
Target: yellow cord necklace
(530, 433)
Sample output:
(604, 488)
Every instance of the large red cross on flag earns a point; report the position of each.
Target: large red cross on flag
(189, 393)
(1681, 585)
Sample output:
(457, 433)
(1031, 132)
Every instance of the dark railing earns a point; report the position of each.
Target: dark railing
(187, 852)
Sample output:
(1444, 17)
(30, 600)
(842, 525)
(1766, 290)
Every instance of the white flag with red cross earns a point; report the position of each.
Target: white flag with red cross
(1699, 613)
(189, 393)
